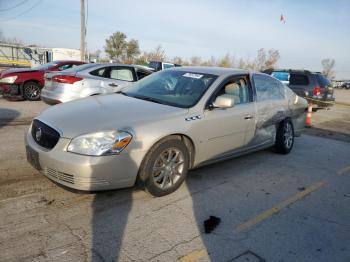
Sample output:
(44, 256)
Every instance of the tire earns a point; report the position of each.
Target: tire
(284, 137)
(165, 167)
(31, 91)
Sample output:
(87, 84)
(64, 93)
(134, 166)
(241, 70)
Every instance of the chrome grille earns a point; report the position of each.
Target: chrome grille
(44, 135)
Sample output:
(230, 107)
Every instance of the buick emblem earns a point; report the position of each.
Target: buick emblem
(38, 134)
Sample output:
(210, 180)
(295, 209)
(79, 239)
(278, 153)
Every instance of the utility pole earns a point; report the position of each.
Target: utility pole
(82, 30)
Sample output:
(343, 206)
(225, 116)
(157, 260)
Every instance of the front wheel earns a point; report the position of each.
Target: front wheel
(165, 167)
(31, 91)
(284, 137)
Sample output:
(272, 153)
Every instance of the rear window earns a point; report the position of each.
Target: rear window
(168, 66)
(268, 88)
(322, 80)
(282, 76)
(99, 72)
(298, 79)
(79, 68)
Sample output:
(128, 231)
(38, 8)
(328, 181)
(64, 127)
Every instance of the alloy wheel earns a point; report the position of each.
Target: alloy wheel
(288, 135)
(168, 168)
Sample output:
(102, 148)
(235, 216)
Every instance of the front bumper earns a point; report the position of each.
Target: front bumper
(10, 90)
(83, 172)
(54, 97)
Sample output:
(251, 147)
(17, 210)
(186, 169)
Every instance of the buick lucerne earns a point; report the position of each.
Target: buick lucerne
(155, 130)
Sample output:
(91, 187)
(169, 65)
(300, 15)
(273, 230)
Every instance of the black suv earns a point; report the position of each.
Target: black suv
(313, 86)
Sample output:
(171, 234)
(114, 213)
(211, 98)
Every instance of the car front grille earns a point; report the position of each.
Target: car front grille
(59, 176)
(44, 135)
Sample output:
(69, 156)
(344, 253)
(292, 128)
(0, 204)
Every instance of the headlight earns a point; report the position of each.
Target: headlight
(100, 143)
(8, 80)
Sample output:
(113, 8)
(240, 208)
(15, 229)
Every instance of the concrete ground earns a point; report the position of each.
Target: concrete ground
(272, 208)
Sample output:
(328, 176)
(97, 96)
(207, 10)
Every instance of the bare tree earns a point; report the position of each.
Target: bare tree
(158, 54)
(132, 51)
(178, 60)
(195, 61)
(328, 66)
(225, 61)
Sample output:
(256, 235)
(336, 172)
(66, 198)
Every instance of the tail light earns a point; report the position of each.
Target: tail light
(316, 91)
(66, 79)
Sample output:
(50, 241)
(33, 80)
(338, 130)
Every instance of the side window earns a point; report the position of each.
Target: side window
(238, 89)
(141, 74)
(268, 88)
(298, 79)
(64, 67)
(101, 72)
(124, 74)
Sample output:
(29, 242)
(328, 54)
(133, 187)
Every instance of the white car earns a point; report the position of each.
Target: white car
(89, 80)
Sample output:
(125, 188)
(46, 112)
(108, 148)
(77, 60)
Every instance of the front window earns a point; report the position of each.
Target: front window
(175, 88)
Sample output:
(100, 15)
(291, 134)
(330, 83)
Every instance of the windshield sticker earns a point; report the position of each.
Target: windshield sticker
(196, 76)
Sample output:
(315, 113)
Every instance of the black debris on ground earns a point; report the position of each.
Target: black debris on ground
(211, 223)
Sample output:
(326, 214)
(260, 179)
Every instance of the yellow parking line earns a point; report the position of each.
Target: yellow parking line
(193, 256)
(268, 213)
(343, 171)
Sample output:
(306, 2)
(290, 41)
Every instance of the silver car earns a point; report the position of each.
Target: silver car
(157, 129)
(88, 80)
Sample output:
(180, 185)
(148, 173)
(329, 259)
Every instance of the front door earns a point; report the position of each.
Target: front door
(224, 130)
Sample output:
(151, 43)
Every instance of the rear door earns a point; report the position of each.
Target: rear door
(271, 105)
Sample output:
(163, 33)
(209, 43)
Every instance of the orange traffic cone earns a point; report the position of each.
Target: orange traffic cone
(308, 116)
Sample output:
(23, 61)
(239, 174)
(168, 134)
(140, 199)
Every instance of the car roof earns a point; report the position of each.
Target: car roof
(67, 61)
(220, 71)
(124, 65)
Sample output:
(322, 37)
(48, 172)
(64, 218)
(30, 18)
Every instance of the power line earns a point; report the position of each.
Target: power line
(12, 7)
(20, 14)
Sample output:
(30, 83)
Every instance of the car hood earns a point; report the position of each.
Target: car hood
(105, 112)
(16, 70)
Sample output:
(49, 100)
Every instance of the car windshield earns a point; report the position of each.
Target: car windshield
(45, 66)
(175, 88)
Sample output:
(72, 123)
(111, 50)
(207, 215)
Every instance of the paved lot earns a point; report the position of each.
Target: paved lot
(272, 207)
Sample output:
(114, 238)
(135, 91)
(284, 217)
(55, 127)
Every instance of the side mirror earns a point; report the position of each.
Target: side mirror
(224, 102)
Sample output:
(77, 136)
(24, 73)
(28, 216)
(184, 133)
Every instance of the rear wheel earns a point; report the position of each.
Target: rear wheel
(165, 167)
(31, 91)
(284, 137)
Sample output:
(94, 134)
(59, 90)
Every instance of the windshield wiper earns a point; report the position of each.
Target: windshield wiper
(121, 92)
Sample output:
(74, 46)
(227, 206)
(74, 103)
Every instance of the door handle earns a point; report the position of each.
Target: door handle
(113, 85)
(248, 117)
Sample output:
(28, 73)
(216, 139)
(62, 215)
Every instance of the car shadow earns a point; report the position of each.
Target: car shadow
(110, 217)
(7, 116)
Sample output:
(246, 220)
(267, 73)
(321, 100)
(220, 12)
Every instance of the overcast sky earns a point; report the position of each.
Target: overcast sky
(313, 29)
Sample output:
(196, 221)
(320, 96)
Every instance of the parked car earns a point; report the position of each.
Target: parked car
(346, 85)
(157, 65)
(88, 80)
(313, 86)
(157, 129)
(27, 83)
